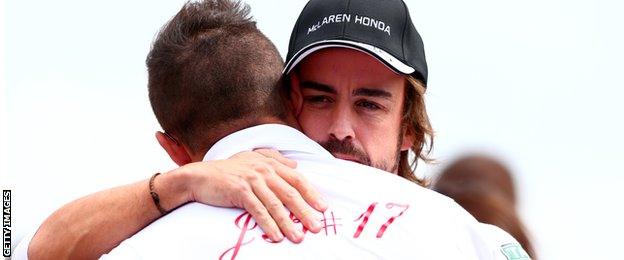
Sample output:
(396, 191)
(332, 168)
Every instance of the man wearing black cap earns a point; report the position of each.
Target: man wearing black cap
(374, 103)
(358, 74)
(372, 214)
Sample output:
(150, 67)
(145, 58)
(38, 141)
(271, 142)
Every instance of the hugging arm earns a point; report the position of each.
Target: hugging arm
(260, 181)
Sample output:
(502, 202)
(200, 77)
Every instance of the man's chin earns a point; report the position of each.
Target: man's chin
(348, 158)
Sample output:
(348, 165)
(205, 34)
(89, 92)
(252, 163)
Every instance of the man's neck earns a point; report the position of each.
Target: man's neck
(289, 121)
(229, 128)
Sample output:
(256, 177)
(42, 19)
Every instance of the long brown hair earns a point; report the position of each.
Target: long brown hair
(485, 188)
(415, 122)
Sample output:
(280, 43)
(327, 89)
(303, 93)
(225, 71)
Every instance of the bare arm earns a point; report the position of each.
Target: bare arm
(93, 225)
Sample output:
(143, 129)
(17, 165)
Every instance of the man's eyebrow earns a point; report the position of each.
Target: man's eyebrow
(318, 86)
(372, 92)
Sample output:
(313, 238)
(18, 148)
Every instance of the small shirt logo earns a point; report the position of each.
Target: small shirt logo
(514, 251)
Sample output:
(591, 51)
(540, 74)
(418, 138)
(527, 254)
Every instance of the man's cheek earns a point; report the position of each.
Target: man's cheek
(310, 128)
(297, 105)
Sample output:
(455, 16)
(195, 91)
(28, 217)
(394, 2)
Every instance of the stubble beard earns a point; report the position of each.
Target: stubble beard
(335, 146)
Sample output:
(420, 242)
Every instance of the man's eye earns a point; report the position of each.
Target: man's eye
(317, 99)
(368, 105)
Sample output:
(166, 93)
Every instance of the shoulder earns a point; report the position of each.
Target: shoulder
(21, 250)
(360, 181)
(125, 250)
(495, 243)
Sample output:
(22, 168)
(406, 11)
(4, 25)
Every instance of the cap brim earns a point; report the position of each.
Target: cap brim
(386, 58)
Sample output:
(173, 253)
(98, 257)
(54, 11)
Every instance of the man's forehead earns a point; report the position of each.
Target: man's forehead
(346, 64)
(340, 55)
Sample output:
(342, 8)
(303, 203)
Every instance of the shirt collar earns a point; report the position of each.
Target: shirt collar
(274, 136)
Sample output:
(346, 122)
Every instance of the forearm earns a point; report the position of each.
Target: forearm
(93, 225)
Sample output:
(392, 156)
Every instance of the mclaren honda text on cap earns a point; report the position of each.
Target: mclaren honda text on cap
(382, 28)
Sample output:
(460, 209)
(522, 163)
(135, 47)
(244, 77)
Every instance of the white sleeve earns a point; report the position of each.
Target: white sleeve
(123, 251)
(21, 250)
(494, 243)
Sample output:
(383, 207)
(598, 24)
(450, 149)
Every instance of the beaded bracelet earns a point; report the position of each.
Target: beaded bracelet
(155, 197)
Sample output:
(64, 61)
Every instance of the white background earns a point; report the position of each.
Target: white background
(536, 83)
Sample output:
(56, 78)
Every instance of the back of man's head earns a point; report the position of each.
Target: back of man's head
(212, 72)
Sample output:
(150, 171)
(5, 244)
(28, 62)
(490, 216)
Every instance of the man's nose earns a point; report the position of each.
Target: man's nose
(342, 126)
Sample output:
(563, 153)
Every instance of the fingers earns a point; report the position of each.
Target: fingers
(301, 184)
(308, 216)
(257, 210)
(278, 213)
(277, 156)
(275, 183)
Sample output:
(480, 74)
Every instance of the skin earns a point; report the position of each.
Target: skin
(257, 181)
(260, 182)
(347, 97)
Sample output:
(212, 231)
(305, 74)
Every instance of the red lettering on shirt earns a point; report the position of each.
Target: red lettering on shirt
(330, 223)
(390, 205)
(364, 216)
(244, 230)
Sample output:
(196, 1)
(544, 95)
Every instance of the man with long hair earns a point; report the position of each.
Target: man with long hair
(212, 81)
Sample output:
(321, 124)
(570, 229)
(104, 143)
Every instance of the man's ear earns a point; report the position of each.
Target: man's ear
(176, 151)
(408, 139)
(296, 98)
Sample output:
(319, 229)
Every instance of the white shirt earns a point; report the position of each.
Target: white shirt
(372, 214)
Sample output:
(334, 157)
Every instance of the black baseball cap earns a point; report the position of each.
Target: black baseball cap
(381, 28)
